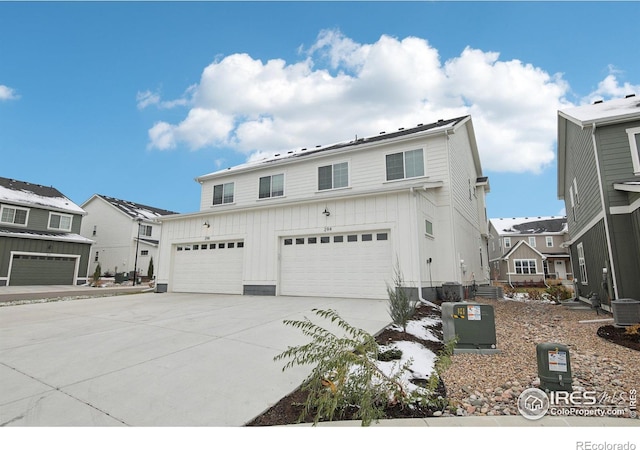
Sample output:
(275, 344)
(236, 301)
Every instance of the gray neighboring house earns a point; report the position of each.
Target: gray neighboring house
(40, 242)
(599, 181)
(528, 251)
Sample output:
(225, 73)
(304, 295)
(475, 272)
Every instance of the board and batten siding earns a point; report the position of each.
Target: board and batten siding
(595, 254)
(626, 254)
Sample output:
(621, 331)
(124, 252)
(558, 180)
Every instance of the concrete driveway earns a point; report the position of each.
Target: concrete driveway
(155, 359)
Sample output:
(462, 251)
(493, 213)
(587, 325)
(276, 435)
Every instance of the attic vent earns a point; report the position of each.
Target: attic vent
(290, 152)
(630, 95)
(277, 154)
(597, 101)
(440, 120)
(400, 129)
(318, 146)
(382, 132)
(420, 124)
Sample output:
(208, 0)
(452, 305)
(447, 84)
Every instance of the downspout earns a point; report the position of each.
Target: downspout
(414, 193)
(604, 210)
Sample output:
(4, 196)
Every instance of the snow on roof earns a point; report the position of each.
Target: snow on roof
(44, 235)
(530, 225)
(137, 210)
(28, 194)
(291, 154)
(609, 111)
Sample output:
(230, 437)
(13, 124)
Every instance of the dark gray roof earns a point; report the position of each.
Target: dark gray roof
(30, 194)
(136, 210)
(542, 226)
(44, 235)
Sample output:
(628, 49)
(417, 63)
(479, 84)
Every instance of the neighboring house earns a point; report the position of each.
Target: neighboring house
(40, 242)
(529, 250)
(599, 181)
(119, 227)
(335, 221)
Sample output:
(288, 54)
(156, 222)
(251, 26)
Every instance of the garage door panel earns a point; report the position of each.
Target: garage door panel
(31, 270)
(210, 270)
(336, 269)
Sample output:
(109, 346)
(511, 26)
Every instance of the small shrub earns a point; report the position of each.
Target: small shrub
(390, 355)
(401, 308)
(97, 273)
(534, 294)
(559, 292)
(632, 331)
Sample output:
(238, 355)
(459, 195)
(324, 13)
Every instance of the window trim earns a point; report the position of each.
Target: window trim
(507, 242)
(427, 222)
(223, 202)
(582, 264)
(333, 179)
(53, 213)
(404, 165)
(15, 208)
(271, 195)
(527, 266)
(149, 227)
(532, 241)
(635, 151)
(549, 239)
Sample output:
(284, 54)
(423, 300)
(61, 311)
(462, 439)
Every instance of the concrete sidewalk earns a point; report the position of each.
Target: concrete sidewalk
(177, 360)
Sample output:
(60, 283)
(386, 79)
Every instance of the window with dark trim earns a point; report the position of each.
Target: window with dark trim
(221, 245)
(333, 176)
(312, 240)
(402, 165)
(223, 193)
(299, 241)
(271, 186)
(382, 236)
(352, 238)
(288, 241)
(240, 244)
(324, 239)
(338, 239)
(367, 237)
(231, 245)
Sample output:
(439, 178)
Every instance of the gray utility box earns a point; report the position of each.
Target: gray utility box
(473, 324)
(626, 311)
(554, 367)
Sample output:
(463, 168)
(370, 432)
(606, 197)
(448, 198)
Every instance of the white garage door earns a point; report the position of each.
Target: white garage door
(208, 267)
(356, 265)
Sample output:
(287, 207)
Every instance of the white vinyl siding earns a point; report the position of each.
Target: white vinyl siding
(13, 215)
(405, 165)
(60, 222)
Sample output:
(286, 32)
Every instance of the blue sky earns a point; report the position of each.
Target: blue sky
(134, 100)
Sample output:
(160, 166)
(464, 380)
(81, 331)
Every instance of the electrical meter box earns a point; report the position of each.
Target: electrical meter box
(473, 324)
(554, 367)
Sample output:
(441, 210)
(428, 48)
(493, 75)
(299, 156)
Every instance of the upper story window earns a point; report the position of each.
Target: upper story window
(60, 221)
(223, 193)
(14, 215)
(634, 144)
(507, 242)
(271, 186)
(549, 240)
(532, 241)
(146, 230)
(333, 176)
(405, 165)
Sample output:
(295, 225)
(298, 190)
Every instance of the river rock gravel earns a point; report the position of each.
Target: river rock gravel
(489, 385)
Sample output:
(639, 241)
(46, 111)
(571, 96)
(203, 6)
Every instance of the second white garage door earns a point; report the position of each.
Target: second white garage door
(354, 265)
(208, 267)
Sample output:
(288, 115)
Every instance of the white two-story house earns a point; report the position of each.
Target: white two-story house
(126, 234)
(336, 221)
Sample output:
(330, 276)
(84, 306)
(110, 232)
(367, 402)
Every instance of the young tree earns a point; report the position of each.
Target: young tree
(150, 269)
(401, 308)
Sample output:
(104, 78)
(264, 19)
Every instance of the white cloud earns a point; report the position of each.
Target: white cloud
(341, 88)
(610, 87)
(7, 93)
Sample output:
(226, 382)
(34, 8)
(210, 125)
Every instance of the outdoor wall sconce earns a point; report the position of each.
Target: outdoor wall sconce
(206, 224)
(326, 212)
